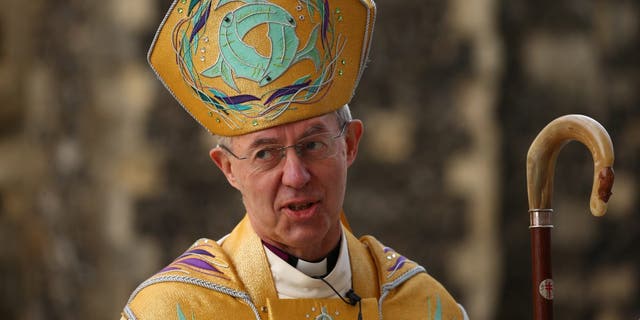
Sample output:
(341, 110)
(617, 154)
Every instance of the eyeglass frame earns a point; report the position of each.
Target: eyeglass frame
(282, 150)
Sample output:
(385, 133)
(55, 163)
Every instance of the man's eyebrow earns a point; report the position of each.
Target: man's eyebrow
(314, 129)
(262, 142)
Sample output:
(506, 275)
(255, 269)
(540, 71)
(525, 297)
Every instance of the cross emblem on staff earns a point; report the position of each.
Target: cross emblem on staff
(546, 289)
(549, 288)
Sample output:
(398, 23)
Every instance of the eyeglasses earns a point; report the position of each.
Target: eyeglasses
(315, 147)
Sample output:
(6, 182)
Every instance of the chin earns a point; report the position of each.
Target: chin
(306, 235)
(302, 238)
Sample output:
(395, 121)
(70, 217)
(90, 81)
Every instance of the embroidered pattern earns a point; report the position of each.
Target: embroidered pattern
(197, 282)
(437, 314)
(198, 260)
(244, 61)
(399, 262)
(238, 59)
(324, 314)
(181, 314)
(390, 286)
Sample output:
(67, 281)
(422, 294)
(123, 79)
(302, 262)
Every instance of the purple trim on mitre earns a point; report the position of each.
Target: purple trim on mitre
(387, 249)
(200, 264)
(201, 22)
(399, 263)
(325, 22)
(287, 91)
(238, 99)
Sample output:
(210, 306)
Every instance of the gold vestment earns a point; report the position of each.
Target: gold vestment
(234, 281)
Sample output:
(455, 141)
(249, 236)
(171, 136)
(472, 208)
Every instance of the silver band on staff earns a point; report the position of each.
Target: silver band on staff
(540, 218)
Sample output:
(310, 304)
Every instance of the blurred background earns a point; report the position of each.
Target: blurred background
(104, 178)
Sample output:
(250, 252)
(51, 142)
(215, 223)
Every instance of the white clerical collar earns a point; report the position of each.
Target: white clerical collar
(296, 283)
(312, 269)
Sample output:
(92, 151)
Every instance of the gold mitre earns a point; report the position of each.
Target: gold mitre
(239, 66)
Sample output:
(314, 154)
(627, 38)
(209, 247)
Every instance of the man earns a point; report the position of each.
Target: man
(272, 79)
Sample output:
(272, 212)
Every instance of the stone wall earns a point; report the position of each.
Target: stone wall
(104, 178)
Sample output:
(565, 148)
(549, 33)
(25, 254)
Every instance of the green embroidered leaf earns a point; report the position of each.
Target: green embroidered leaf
(314, 87)
(217, 93)
(302, 80)
(180, 314)
(209, 100)
(192, 5)
(195, 41)
(310, 8)
(223, 2)
(438, 312)
(188, 57)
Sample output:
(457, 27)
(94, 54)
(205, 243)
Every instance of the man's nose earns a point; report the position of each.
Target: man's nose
(294, 171)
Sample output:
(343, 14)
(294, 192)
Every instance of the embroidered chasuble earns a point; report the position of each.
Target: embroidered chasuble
(241, 279)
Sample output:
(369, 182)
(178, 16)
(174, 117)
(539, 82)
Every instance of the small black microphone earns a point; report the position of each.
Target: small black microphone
(353, 297)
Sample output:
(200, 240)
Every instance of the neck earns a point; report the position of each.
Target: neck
(317, 268)
(310, 250)
(292, 256)
(310, 253)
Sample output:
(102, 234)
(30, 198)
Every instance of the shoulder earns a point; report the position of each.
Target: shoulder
(405, 285)
(200, 279)
(393, 268)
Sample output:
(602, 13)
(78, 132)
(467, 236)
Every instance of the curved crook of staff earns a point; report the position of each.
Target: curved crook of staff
(541, 161)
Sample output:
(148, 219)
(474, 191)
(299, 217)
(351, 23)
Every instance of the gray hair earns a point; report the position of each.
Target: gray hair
(343, 115)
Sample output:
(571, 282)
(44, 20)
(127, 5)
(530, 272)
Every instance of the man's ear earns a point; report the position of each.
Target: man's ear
(353, 135)
(222, 161)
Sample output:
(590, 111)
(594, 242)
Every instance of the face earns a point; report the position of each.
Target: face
(296, 205)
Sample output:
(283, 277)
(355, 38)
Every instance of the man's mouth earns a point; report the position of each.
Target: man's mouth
(300, 206)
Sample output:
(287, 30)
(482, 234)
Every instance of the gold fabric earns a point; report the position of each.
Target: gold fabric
(239, 66)
(233, 281)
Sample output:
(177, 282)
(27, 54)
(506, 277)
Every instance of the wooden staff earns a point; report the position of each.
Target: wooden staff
(541, 162)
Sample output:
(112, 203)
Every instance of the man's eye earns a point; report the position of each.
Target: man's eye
(314, 145)
(264, 154)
